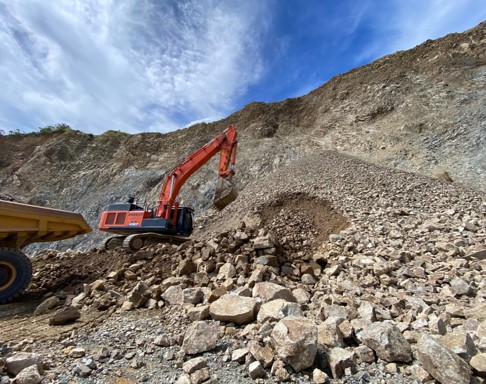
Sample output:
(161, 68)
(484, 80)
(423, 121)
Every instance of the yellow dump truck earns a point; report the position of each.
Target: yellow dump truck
(21, 225)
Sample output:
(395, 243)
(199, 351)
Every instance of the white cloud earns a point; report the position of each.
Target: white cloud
(403, 25)
(131, 65)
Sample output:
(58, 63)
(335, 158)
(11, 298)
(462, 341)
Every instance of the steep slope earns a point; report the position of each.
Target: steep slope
(366, 261)
(419, 110)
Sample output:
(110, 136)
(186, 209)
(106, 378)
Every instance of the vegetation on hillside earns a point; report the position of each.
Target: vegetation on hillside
(48, 129)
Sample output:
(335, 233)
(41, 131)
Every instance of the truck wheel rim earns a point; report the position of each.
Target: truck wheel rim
(8, 274)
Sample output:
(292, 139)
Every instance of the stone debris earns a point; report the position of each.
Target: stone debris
(295, 341)
(340, 360)
(387, 341)
(193, 365)
(441, 363)
(65, 315)
(19, 361)
(29, 375)
(277, 309)
(319, 287)
(47, 305)
(478, 364)
(256, 370)
(201, 336)
(234, 309)
(267, 291)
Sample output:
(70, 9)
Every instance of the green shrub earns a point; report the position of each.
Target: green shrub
(62, 127)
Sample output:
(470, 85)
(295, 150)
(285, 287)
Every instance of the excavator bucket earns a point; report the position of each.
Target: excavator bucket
(225, 193)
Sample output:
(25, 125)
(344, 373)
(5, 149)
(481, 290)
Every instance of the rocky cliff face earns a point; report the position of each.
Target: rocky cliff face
(325, 265)
(421, 111)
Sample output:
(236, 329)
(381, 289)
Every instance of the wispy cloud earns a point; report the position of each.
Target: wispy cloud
(131, 65)
(149, 65)
(402, 25)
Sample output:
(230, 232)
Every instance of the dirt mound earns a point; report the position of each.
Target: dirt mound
(302, 219)
(69, 271)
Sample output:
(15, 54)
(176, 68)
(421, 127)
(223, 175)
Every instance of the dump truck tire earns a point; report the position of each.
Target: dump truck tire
(15, 273)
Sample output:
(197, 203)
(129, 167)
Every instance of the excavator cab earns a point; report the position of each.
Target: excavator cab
(184, 221)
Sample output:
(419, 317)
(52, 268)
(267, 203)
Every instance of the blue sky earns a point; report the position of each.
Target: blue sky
(160, 65)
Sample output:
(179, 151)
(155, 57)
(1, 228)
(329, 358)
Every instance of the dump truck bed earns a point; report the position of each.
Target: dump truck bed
(23, 224)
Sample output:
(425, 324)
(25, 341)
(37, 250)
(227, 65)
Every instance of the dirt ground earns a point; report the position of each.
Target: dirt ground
(65, 274)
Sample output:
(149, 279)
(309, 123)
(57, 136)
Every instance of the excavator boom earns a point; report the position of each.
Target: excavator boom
(225, 143)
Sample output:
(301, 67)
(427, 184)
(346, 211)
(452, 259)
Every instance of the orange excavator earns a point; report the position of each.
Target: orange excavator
(136, 227)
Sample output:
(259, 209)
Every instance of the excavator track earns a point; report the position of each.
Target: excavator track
(113, 242)
(137, 241)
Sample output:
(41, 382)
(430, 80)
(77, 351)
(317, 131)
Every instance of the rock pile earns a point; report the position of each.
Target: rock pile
(396, 292)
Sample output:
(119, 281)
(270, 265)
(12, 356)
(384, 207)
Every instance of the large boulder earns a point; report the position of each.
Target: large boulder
(21, 360)
(65, 315)
(295, 341)
(441, 363)
(235, 309)
(459, 342)
(270, 291)
(278, 309)
(339, 359)
(387, 341)
(139, 295)
(29, 375)
(201, 336)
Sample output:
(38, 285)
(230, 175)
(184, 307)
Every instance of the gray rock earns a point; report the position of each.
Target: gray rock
(441, 363)
(364, 354)
(387, 341)
(200, 376)
(295, 342)
(478, 363)
(184, 379)
(270, 291)
(65, 315)
(264, 242)
(22, 360)
(186, 267)
(279, 371)
(198, 313)
(226, 271)
(29, 375)
(256, 370)
(239, 355)
(193, 295)
(339, 360)
(201, 336)
(460, 286)
(278, 309)
(329, 335)
(264, 354)
(82, 370)
(46, 305)
(139, 295)
(319, 377)
(336, 313)
(193, 365)
(174, 295)
(459, 342)
(367, 311)
(231, 308)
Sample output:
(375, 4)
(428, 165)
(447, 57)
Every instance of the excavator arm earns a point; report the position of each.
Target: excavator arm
(225, 143)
